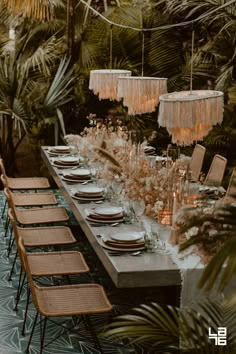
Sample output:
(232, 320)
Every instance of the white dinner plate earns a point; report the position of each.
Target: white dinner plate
(106, 221)
(68, 159)
(104, 245)
(74, 180)
(63, 167)
(108, 211)
(90, 190)
(80, 172)
(127, 236)
(88, 199)
(60, 148)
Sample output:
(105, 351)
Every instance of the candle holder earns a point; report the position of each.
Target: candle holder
(165, 217)
(192, 199)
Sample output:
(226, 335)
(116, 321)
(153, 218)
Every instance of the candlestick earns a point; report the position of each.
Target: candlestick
(174, 205)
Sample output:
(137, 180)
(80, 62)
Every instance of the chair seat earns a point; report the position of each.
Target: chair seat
(69, 300)
(28, 183)
(31, 199)
(57, 263)
(42, 236)
(41, 216)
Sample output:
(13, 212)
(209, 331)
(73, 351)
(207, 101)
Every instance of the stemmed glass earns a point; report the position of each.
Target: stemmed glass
(139, 208)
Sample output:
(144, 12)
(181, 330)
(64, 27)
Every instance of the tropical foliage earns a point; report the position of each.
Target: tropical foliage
(168, 329)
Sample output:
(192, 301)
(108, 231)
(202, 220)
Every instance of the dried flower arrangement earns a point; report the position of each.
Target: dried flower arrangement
(113, 147)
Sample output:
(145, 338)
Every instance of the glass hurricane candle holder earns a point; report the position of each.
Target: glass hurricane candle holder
(165, 217)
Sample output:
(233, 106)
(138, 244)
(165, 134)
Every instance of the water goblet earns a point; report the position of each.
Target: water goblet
(139, 208)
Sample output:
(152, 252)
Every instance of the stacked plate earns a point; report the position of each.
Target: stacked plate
(78, 175)
(59, 150)
(149, 150)
(105, 215)
(88, 193)
(66, 162)
(124, 241)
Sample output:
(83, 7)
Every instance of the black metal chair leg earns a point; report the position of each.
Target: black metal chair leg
(94, 336)
(4, 208)
(10, 244)
(42, 335)
(19, 289)
(26, 312)
(13, 266)
(6, 226)
(32, 332)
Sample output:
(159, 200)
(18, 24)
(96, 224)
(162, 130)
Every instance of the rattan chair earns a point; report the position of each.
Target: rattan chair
(66, 300)
(39, 236)
(216, 171)
(197, 161)
(230, 195)
(31, 199)
(36, 215)
(41, 264)
(24, 182)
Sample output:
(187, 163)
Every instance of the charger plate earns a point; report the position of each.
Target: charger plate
(103, 244)
(105, 221)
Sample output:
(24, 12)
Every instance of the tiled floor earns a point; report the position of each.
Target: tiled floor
(11, 340)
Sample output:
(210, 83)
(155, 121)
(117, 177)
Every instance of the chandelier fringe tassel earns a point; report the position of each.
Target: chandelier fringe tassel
(104, 82)
(189, 116)
(141, 94)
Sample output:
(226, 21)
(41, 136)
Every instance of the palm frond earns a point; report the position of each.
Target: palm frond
(40, 9)
(172, 330)
(61, 86)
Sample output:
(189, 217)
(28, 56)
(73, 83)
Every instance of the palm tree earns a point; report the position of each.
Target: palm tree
(33, 85)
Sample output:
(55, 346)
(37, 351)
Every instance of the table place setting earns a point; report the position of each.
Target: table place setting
(105, 215)
(88, 193)
(124, 242)
(59, 150)
(66, 162)
(78, 175)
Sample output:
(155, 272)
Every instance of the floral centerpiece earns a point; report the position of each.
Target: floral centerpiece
(113, 147)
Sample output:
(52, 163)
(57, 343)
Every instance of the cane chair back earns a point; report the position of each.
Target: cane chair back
(31, 199)
(216, 171)
(197, 161)
(36, 215)
(230, 195)
(65, 300)
(42, 236)
(50, 263)
(24, 182)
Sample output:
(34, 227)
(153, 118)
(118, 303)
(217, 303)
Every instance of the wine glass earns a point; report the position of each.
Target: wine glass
(117, 188)
(139, 207)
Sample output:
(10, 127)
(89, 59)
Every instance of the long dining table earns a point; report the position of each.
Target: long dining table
(126, 271)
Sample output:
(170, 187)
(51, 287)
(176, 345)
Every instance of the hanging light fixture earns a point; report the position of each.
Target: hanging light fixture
(104, 82)
(141, 94)
(189, 115)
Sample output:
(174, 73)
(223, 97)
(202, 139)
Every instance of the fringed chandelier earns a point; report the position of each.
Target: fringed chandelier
(104, 82)
(141, 94)
(189, 115)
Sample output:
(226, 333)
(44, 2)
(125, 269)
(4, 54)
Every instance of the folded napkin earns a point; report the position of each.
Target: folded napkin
(106, 218)
(55, 151)
(77, 177)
